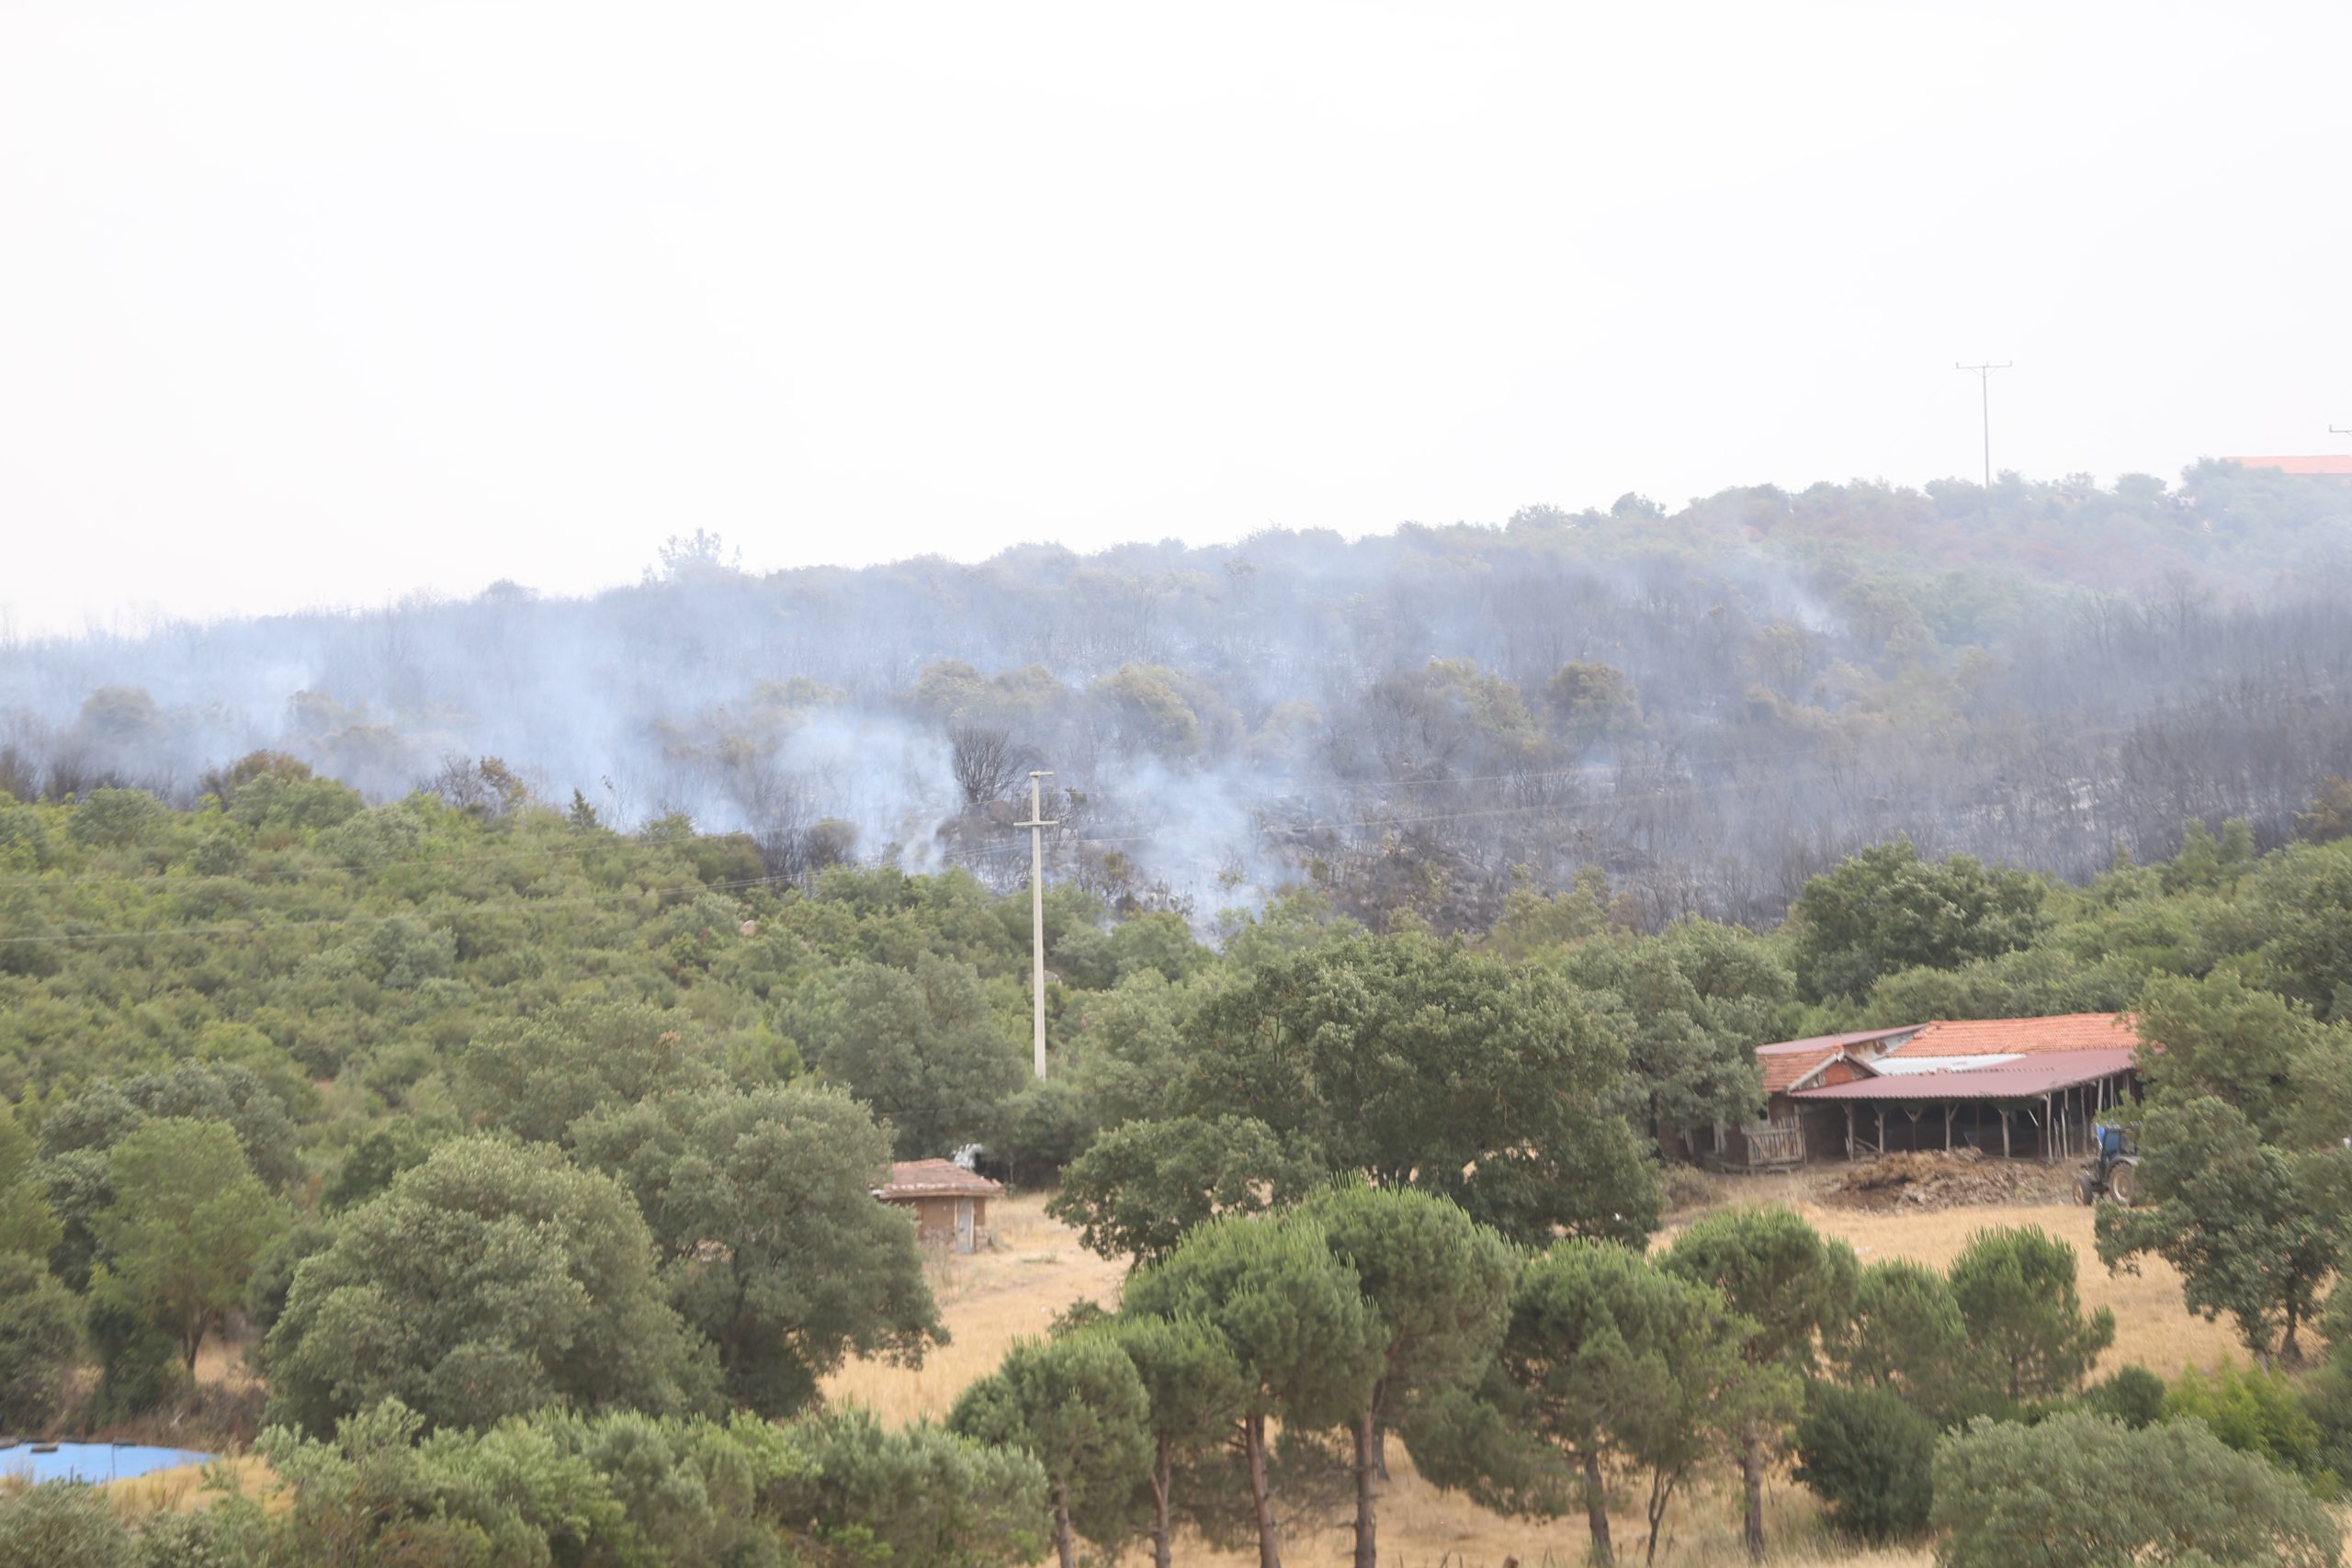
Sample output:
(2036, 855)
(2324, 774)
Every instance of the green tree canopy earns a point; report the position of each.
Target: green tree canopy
(537, 1077)
(2080, 1491)
(2255, 1231)
(29, 1227)
(489, 1281)
(1609, 1364)
(188, 1219)
(771, 1243)
(1696, 1001)
(2217, 1035)
(1293, 1315)
(1078, 1408)
(41, 1343)
(1886, 909)
(1796, 1286)
(911, 1493)
(921, 1047)
(2016, 1292)
(1439, 1285)
(1195, 1396)
(1417, 1063)
(1144, 1185)
(1905, 1335)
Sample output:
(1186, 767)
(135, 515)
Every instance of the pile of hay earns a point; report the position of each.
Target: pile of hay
(1934, 1179)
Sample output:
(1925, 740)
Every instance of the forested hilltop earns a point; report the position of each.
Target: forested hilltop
(529, 1163)
(1707, 705)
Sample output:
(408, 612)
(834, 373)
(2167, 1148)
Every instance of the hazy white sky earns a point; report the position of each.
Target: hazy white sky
(329, 302)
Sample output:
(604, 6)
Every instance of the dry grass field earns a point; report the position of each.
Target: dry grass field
(1037, 1269)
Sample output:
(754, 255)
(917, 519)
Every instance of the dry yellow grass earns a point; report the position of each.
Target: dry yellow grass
(185, 1489)
(2152, 1327)
(1037, 1269)
(1034, 1269)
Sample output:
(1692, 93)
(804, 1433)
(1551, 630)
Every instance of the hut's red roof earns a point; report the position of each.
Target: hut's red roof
(934, 1178)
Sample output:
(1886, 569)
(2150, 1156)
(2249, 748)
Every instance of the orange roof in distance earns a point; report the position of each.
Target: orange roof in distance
(934, 1178)
(2335, 464)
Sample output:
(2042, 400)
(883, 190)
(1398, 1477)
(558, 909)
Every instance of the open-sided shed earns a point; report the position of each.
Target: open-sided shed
(2008, 1085)
(2041, 1105)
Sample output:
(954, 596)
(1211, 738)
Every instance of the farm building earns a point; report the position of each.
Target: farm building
(2017, 1087)
(1780, 1136)
(950, 1205)
(2331, 465)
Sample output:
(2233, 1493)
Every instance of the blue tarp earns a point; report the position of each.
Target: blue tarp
(93, 1462)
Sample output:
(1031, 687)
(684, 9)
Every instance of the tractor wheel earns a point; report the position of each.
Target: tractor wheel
(2086, 1188)
(2124, 1181)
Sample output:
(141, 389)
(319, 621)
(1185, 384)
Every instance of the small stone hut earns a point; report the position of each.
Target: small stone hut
(950, 1205)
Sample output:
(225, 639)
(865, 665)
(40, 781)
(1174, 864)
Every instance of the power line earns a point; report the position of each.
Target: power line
(621, 843)
(426, 916)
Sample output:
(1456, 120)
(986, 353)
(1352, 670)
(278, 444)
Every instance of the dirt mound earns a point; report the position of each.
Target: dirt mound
(1938, 1180)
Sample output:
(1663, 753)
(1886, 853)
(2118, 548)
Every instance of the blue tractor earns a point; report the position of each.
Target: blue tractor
(2114, 1174)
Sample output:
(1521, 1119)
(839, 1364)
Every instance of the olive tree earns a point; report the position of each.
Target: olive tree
(489, 1281)
(2255, 1231)
(771, 1244)
(1144, 1184)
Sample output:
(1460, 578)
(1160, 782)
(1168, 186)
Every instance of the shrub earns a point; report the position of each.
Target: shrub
(2253, 1412)
(914, 1493)
(41, 1339)
(2133, 1395)
(139, 1367)
(1867, 1455)
(62, 1526)
(2081, 1491)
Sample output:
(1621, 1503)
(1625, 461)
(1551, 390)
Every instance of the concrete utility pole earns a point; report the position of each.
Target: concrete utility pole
(1037, 825)
(1985, 381)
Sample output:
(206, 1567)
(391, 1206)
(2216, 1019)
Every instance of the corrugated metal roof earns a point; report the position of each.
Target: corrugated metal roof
(2025, 1079)
(1905, 1064)
(2024, 1036)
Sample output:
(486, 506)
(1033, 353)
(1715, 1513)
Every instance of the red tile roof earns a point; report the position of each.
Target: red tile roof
(2008, 1081)
(1788, 1063)
(2331, 463)
(1819, 1043)
(934, 1178)
(1784, 1070)
(2024, 1036)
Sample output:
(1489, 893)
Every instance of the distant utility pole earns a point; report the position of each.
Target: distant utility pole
(1037, 825)
(1984, 383)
